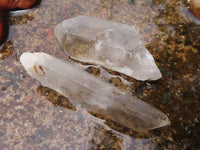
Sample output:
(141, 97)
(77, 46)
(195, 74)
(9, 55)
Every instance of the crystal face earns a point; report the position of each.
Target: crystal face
(92, 93)
(113, 45)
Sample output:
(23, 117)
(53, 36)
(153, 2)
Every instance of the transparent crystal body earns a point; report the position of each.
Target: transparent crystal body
(113, 45)
(92, 93)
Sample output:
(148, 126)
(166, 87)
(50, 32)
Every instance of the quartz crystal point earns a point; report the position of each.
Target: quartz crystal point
(113, 45)
(92, 93)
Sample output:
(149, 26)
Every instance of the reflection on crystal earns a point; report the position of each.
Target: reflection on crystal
(95, 95)
(113, 45)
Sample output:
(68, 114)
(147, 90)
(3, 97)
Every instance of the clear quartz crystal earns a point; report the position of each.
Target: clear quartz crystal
(113, 45)
(92, 93)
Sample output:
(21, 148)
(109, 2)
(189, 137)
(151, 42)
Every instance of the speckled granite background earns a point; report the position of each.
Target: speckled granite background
(34, 117)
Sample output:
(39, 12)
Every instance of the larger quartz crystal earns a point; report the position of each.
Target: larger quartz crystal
(95, 95)
(113, 45)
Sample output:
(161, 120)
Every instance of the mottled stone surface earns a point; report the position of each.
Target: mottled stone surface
(29, 120)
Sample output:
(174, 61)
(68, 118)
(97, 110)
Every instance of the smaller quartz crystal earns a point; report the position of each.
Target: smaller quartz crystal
(113, 45)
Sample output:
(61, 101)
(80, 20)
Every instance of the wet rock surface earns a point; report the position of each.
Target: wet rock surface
(30, 120)
(6, 50)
